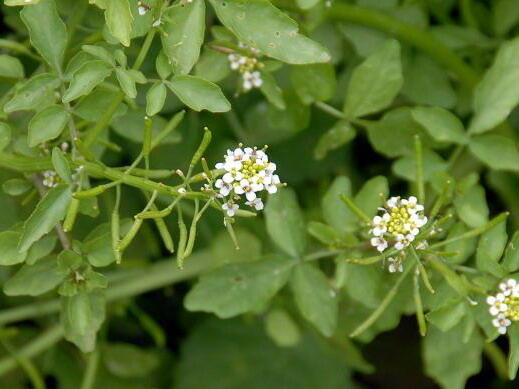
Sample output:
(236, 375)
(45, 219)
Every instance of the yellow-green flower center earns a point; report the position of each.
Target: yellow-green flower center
(513, 307)
(250, 168)
(399, 217)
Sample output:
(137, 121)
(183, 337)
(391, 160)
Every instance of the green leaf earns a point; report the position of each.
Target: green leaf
(272, 91)
(497, 151)
(41, 248)
(393, 135)
(10, 67)
(100, 53)
(238, 288)
(47, 31)
(155, 98)
(447, 316)
(335, 212)
(82, 316)
(14, 3)
(35, 92)
(238, 354)
(86, 78)
(184, 35)
(505, 16)
(427, 83)
(5, 135)
(496, 94)
(511, 258)
(315, 298)
(224, 251)
(163, 66)
(375, 82)
(313, 82)
(9, 254)
(61, 165)
(339, 135)
(323, 233)
(47, 124)
(285, 222)
(464, 247)
(450, 361)
(118, 16)
(126, 82)
(33, 280)
(372, 194)
(441, 124)
(16, 186)
(129, 361)
(472, 207)
(433, 166)
(513, 356)
(259, 24)
(50, 211)
(199, 94)
(490, 248)
(292, 119)
(282, 329)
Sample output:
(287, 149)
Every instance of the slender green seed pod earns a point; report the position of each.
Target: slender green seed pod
(200, 151)
(127, 239)
(148, 134)
(70, 218)
(83, 149)
(93, 192)
(181, 240)
(163, 231)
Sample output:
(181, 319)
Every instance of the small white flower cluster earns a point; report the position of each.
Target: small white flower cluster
(248, 172)
(248, 67)
(504, 306)
(50, 179)
(142, 8)
(401, 221)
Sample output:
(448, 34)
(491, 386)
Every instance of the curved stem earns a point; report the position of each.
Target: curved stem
(91, 370)
(43, 342)
(413, 35)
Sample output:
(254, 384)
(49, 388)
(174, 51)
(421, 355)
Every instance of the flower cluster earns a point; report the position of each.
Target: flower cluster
(504, 305)
(248, 172)
(401, 221)
(50, 179)
(248, 66)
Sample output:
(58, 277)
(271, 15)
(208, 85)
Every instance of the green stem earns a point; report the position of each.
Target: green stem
(105, 120)
(383, 305)
(420, 317)
(353, 208)
(43, 342)
(26, 364)
(498, 359)
(156, 276)
(330, 110)
(419, 169)
(472, 233)
(91, 370)
(413, 35)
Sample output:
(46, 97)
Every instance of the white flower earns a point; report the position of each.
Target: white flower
(224, 188)
(392, 202)
(509, 287)
(402, 241)
(256, 204)
(248, 172)
(50, 179)
(379, 243)
(501, 322)
(271, 183)
(182, 191)
(395, 265)
(230, 208)
(497, 304)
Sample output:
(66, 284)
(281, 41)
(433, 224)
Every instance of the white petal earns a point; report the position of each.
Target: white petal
(250, 196)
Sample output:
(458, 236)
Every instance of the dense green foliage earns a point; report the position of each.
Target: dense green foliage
(120, 265)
